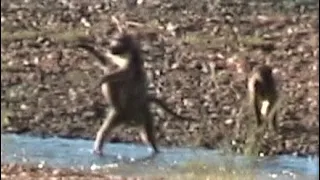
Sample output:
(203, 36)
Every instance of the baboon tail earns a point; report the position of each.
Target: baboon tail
(164, 106)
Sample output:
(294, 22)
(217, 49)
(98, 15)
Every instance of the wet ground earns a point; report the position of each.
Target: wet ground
(133, 160)
(190, 49)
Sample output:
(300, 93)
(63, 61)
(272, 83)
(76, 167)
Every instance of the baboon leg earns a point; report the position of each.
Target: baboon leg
(274, 122)
(110, 122)
(148, 129)
(272, 118)
(143, 136)
(272, 114)
(257, 112)
(164, 106)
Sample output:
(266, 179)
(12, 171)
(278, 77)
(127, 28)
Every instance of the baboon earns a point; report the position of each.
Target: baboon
(263, 95)
(126, 91)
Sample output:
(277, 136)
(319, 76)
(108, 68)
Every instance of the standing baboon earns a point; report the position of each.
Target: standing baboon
(126, 91)
(263, 95)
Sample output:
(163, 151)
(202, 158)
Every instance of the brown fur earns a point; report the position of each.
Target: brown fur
(126, 90)
(262, 89)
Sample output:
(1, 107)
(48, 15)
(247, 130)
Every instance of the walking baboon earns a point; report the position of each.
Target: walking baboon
(126, 90)
(263, 95)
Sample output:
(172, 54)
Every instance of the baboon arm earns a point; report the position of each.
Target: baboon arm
(116, 76)
(102, 59)
(120, 61)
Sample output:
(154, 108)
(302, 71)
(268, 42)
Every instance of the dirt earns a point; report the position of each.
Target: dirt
(30, 172)
(189, 47)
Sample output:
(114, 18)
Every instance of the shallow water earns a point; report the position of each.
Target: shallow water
(122, 159)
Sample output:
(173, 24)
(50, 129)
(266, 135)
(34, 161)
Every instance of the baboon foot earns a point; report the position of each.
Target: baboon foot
(156, 151)
(98, 152)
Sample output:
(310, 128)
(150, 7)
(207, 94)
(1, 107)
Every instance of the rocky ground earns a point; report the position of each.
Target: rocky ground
(30, 172)
(191, 50)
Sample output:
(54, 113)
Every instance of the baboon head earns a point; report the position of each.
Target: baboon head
(123, 43)
(266, 73)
